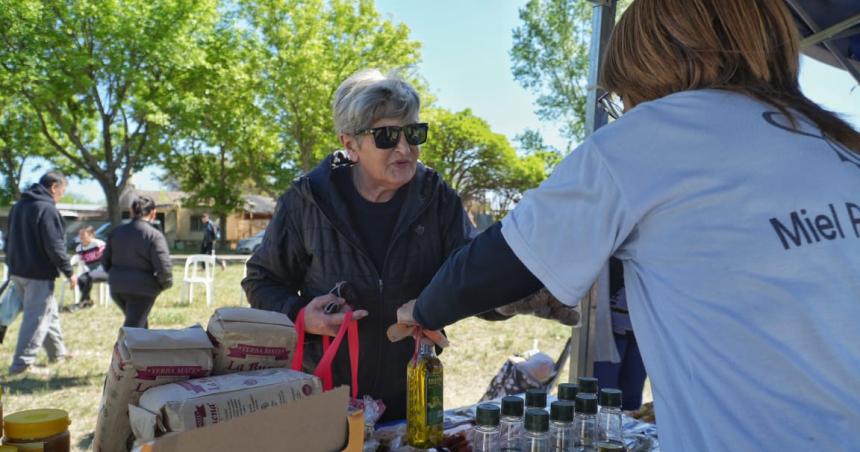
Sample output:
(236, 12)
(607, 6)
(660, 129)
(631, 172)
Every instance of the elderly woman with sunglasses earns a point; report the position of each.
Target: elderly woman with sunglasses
(377, 218)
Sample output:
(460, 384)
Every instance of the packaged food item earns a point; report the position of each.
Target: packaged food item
(44, 430)
(250, 339)
(143, 359)
(186, 405)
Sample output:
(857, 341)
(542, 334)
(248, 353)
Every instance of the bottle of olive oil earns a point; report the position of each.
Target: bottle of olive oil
(424, 412)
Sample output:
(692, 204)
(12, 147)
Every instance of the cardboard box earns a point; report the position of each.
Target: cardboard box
(315, 424)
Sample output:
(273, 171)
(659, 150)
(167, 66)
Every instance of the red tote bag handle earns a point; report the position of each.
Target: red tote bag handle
(348, 328)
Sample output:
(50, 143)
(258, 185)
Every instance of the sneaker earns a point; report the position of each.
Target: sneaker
(86, 303)
(29, 370)
(69, 308)
(62, 358)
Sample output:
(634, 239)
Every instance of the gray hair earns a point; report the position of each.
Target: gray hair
(368, 96)
(52, 178)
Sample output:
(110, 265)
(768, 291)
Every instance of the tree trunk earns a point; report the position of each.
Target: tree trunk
(113, 207)
(222, 219)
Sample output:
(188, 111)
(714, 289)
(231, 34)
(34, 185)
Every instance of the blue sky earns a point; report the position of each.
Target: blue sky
(465, 61)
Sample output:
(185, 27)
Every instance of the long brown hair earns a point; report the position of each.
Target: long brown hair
(660, 47)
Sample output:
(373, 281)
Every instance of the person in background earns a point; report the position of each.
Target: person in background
(137, 260)
(733, 203)
(628, 374)
(211, 234)
(36, 256)
(90, 250)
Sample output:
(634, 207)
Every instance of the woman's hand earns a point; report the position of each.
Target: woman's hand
(318, 322)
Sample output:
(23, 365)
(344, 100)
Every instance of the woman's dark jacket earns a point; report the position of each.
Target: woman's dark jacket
(137, 259)
(310, 245)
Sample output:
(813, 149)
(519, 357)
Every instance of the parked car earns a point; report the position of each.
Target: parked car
(250, 244)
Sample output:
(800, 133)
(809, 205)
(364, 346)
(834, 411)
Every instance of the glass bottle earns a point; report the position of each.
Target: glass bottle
(585, 424)
(485, 438)
(561, 426)
(568, 391)
(609, 429)
(587, 385)
(536, 435)
(424, 411)
(535, 398)
(511, 424)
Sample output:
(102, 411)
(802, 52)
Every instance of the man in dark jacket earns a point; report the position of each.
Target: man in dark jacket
(36, 255)
(211, 234)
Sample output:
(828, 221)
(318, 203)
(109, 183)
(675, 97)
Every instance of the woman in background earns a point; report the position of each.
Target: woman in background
(138, 264)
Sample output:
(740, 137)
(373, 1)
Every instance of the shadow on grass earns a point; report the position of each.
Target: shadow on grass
(29, 385)
(87, 441)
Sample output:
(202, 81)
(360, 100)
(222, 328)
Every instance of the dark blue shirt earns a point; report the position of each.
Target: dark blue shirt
(373, 221)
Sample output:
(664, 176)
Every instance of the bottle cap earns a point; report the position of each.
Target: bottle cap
(587, 385)
(537, 420)
(536, 398)
(567, 391)
(610, 397)
(586, 403)
(561, 411)
(512, 406)
(487, 414)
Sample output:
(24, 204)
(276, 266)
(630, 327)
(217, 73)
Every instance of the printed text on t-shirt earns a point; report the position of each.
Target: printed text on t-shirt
(803, 227)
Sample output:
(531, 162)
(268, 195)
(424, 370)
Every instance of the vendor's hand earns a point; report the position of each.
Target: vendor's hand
(318, 322)
(406, 324)
(542, 304)
(73, 281)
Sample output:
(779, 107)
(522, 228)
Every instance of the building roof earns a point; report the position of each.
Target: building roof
(259, 204)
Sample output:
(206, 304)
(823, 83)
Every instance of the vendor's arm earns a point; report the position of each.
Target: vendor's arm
(559, 236)
(503, 279)
(276, 269)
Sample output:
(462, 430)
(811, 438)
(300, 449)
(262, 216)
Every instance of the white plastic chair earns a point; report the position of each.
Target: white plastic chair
(191, 277)
(5, 272)
(78, 268)
(103, 287)
(242, 298)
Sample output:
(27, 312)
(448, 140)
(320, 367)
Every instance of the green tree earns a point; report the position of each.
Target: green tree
(100, 76)
(476, 162)
(222, 126)
(550, 57)
(311, 47)
(20, 140)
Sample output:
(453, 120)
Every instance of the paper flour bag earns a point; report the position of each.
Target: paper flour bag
(250, 339)
(142, 359)
(186, 405)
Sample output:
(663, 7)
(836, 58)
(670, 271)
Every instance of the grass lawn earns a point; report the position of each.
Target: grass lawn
(477, 350)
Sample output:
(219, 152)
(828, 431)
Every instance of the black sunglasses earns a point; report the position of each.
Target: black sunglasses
(611, 104)
(387, 137)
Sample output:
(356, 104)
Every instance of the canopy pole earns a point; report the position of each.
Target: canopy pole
(830, 32)
(582, 337)
(810, 22)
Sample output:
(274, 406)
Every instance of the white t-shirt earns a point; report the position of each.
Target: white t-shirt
(741, 250)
